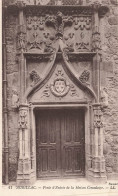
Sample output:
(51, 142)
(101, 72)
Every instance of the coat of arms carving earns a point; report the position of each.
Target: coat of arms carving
(60, 86)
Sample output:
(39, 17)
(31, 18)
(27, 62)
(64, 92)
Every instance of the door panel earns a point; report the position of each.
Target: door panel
(48, 144)
(72, 132)
(60, 143)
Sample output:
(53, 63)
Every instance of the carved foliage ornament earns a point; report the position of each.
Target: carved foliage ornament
(59, 22)
(35, 23)
(34, 77)
(37, 37)
(40, 37)
(46, 91)
(83, 25)
(84, 76)
(60, 87)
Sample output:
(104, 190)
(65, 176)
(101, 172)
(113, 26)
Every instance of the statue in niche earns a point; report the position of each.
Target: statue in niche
(15, 99)
(104, 97)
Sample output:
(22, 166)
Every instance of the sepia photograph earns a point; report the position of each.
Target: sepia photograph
(59, 97)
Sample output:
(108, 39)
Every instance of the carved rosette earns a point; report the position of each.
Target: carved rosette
(60, 87)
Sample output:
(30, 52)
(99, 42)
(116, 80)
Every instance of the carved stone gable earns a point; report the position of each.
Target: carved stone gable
(60, 88)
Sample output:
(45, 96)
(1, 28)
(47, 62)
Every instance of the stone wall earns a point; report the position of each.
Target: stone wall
(12, 85)
(109, 81)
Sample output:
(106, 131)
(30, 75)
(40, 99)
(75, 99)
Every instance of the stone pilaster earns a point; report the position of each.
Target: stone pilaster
(24, 162)
(97, 172)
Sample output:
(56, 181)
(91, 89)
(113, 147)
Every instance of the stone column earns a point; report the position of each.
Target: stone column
(24, 163)
(32, 142)
(97, 172)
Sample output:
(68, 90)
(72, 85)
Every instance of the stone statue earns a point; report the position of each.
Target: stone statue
(104, 97)
(15, 98)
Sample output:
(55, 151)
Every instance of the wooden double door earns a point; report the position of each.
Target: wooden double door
(60, 145)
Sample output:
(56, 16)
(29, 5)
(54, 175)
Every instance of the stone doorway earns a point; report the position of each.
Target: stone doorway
(60, 143)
